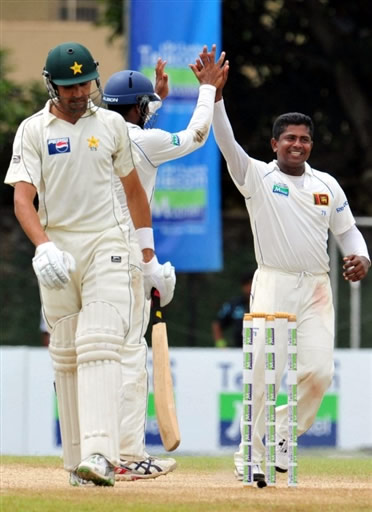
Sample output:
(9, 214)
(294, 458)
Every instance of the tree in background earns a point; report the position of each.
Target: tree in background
(310, 56)
(17, 103)
(20, 311)
(112, 15)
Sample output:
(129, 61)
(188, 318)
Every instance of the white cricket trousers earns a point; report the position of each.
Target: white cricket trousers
(134, 387)
(90, 320)
(102, 274)
(309, 297)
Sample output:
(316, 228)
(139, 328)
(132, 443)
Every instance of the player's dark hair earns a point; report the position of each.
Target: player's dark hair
(281, 123)
(123, 110)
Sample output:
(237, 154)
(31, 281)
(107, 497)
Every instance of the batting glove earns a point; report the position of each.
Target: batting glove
(161, 277)
(52, 266)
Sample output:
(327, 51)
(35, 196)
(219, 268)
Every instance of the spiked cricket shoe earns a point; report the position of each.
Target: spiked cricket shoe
(76, 481)
(97, 469)
(281, 462)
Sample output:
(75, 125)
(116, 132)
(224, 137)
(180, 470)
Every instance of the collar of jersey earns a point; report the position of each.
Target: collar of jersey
(274, 166)
(132, 126)
(49, 117)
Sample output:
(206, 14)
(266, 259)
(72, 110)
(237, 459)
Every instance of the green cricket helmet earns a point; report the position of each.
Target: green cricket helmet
(69, 64)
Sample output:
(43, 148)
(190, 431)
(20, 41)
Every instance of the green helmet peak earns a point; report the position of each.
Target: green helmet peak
(69, 64)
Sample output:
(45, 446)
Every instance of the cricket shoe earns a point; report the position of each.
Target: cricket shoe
(281, 462)
(97, 469)
(150, 467)
(76, 481)
(258, 474)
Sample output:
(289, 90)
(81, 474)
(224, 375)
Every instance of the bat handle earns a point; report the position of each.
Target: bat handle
(155, 306)
(155, 297)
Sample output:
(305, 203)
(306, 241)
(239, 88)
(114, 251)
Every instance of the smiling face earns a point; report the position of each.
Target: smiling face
(293, 148)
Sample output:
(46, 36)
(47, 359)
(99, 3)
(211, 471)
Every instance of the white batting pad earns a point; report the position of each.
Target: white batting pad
(99, 340)
(133, 401)
(63, 354)
(134, 388)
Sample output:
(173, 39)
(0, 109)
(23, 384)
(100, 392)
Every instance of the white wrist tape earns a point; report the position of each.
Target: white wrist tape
(145, 237)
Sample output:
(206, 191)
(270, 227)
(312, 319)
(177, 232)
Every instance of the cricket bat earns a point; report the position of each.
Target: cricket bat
(162, 379)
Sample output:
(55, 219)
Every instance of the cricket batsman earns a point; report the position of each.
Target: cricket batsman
(69, 154)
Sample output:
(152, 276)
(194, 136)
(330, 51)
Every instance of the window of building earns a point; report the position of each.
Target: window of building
(78, 10)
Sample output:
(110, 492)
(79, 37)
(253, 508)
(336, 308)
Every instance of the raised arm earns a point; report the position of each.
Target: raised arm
(161, 86)
(236, 158)
(161, 146)
(208, 72)
(161, 79)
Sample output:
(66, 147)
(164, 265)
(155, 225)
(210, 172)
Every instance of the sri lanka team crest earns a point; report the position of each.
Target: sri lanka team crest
(321, 199)
(56, 146)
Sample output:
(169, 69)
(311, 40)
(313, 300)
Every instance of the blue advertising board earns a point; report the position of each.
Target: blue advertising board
(186, 205)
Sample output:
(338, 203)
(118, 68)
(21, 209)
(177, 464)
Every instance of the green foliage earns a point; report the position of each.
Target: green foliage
(305, 56)
(20, 311)
(16, 103)
(112, 15)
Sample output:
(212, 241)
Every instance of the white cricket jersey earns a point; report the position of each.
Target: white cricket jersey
(155, 146)
(72, 167)
(289, 220)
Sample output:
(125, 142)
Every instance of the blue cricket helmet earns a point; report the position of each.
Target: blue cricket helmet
(127, 88)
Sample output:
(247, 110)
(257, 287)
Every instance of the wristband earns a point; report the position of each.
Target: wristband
(145, 237)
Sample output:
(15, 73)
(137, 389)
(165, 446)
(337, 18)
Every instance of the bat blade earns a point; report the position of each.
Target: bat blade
(163, 389)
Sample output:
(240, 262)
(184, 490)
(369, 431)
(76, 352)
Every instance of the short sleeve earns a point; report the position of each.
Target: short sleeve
(125, 158)
(26, 160)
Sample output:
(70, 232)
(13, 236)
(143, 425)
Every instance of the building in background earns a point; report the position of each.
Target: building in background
(28, 29)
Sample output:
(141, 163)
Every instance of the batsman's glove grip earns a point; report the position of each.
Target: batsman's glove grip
(52, 266)
(161, 277)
